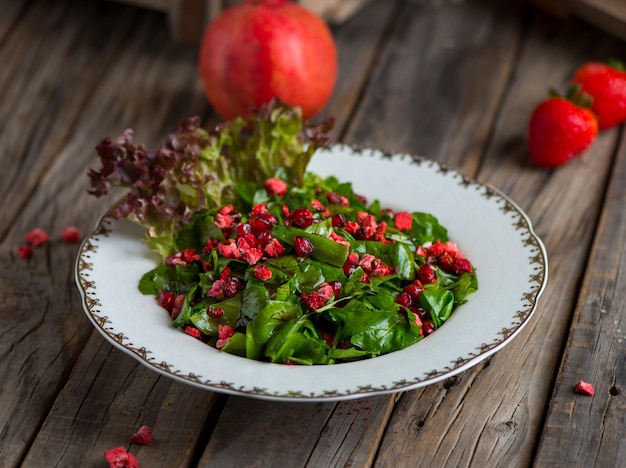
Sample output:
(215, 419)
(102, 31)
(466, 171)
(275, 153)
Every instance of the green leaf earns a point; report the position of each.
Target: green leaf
(439, 302)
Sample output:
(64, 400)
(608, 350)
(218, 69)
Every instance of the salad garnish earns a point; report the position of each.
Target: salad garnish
(265, 260)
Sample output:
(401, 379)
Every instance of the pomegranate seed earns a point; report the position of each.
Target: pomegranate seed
(338, 220)
(166, 300)
(264, 238)
(427, 274)
(329, 337)
(243, 229)
(584, 388)
(428, 328)
(300, 218)
(302, 246)
(262, 222)
(70, 235)
(178, 306)
(404, 299)
(414, 289)
(232, 286)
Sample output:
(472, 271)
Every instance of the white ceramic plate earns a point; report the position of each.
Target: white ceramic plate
(492, 231)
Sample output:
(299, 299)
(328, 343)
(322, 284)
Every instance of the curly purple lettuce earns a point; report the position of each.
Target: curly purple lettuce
(196, 169)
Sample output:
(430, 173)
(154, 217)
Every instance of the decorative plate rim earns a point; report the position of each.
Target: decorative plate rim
(529, 300)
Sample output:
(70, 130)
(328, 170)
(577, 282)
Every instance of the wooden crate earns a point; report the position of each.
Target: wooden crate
(188, 18)
(608, 15)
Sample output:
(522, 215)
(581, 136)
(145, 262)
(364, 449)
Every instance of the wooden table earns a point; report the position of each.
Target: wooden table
(452, 81)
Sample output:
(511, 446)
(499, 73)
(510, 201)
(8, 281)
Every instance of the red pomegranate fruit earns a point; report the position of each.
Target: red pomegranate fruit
(264, 49)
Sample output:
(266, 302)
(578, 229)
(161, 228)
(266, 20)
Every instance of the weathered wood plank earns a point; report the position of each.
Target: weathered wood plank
(517, 380)
(582, 430)
(107, 397)
(89, 81)
(436, 90)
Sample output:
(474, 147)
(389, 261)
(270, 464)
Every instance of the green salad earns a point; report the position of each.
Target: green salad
(267, 261)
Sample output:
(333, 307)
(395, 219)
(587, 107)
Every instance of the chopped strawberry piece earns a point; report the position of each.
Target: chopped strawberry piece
(325, 291)
(252, 255)
(229, 249)
(584, 388)
(312, 300)
(120, 458)
(274, 248)
(403, 221)
(37, 237)
(225, 332)
(70, 235)
(275, 186)
(193, 331)
(262, 272)
(143, 436)
(25, 251)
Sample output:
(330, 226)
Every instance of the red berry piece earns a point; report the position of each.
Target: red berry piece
(25, 251)
(428, 328)
(584, 388)
(166, 300)
(70, 235)
(143, 436)
(303, 246)
(403, 221)
(338, 220)
(300, 218)
(426, 274)
(37, 237)
(404, 299)
(275, 186)
(120, 458)
(193, 331)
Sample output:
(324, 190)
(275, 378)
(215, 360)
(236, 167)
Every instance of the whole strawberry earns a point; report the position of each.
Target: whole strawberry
(559, 130)
(606, 84)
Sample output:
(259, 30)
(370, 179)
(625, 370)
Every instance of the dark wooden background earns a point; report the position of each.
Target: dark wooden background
(451, 80)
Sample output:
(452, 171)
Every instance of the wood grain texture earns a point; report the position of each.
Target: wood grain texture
(583, 430)
(67, 97)
(453, 81)
(497, 412)
(107, 397)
